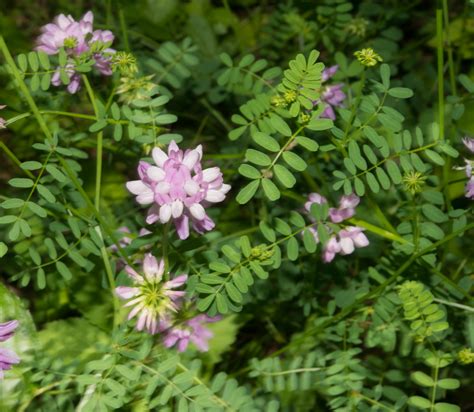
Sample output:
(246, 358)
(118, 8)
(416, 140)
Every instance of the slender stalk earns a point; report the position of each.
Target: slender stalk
(433, 389)
(100, 138)
(440, 54)
(452, 75)
(123, 28)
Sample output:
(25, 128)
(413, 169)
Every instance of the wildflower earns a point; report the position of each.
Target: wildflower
(78, 39)
(66, 32)
(332, 95)
(74, 79)
(279, 101)
(290, 96)
(368, 57)
(7, 357)
(413, 182)
(124, 62)
(331, 249)
(179, 189)
(346, 210)
(348, 238)
(466, 356)
(2, 120)
(150, 298)
(469, 189)
(193, 330)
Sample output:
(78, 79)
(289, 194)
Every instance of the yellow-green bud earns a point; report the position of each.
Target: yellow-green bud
(368, 57)
(466, 356)
(278, 101)
(290, 96)
(413, 182)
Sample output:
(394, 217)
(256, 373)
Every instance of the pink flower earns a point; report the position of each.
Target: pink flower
(348, 238)
(178, 189)
(470, 188)
(7, 357)
(77, 38)
(150, 298)
(346, 209)
(66, 32)
(314, 198)
(469, 143)
(328, 72)
(193, 330)
(332, 95)
(74, 79)
(331, 249)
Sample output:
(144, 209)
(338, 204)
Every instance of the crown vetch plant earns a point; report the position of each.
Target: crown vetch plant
(230, 207)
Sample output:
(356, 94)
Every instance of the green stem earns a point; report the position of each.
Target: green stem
(439, 41)
(452, 75)
(164, 245)
(433, 389)
(123, 28)
(100, 138)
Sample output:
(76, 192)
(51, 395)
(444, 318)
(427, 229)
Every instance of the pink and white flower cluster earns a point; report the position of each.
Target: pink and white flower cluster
(469, 189)
(348, 238)
(7, 357)
(331, 95)
(156, 303)
(77, 38)
(179, 189)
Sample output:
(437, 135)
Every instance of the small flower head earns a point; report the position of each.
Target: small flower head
(66, 32)
(368, 57)
(7, 357)
(79, 41)
(125, 63)
(178, 189)
(290, 96)
(304, 118)
(193, 330)
(466, 356)
(279, 101)
(150, 298)
(413, 182)
(358, 26)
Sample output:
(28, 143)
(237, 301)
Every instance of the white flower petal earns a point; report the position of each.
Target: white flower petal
(162, 188)
(214, 196)
(150, 266)
(211, 174)
(197, 211)
(190, 159)
(165, 213)
(137, 187)
(177, 208)
(191, 187)
(145, 198)
(347, 245)
(159, 156)
(155, 173)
